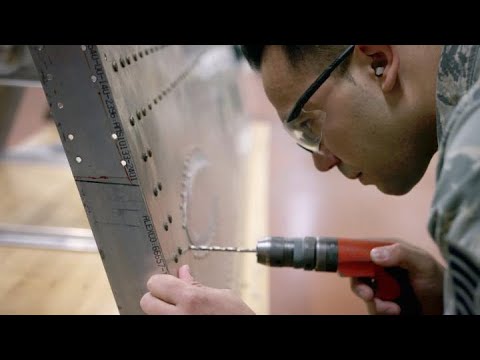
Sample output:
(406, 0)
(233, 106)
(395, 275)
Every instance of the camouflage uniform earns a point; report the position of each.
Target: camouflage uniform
(455, 214)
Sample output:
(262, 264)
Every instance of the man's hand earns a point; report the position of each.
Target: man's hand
(169, 295)
(425, 273)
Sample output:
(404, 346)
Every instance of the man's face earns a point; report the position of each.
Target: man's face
(368, 134)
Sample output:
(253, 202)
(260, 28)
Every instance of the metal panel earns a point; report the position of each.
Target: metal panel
(150, 133)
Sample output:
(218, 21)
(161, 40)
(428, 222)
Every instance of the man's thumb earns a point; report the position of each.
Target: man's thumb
(396, 255)
(184, 274)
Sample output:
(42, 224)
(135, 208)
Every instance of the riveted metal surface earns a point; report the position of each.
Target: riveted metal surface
(154, 151)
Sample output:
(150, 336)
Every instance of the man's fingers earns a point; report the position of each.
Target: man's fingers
(375, 306)
(153, 306)
(362, 290)
(184, 274)
(400, 254)
(166, 287)
(380, 307)
(386, 307)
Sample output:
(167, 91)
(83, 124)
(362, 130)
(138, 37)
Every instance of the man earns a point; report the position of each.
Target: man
(378, 114)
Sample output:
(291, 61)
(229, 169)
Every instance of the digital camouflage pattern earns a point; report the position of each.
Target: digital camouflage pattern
(455, 214)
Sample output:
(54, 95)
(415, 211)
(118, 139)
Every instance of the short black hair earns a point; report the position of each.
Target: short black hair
(295, 53)
(253, 54)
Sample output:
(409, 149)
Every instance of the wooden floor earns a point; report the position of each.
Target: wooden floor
(35, 281)
(47, 282)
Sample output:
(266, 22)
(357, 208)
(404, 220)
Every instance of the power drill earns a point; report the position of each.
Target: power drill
(348, 257)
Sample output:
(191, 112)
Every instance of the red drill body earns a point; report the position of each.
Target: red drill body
(348, 257)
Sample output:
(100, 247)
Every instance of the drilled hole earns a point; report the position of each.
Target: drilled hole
(146, 51)
(159, 185)
(135, 57)
(140, 53)
(139, 115)
(122, 62)
(144, 157)
(155, 192)
(170, 219)
(155, 101)
(150, 106)
(144, 112)
(149, 152)
(132, 121)
(165, 226)
(115, 66)
(175, 258)
(159, 97)
(128, 60)
(180, 251)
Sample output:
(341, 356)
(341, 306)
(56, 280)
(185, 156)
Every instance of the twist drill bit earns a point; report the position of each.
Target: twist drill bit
(220, 248)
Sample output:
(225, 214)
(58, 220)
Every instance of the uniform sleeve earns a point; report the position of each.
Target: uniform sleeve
(455, 220)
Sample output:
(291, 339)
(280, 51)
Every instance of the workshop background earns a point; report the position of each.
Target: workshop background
(38, 190)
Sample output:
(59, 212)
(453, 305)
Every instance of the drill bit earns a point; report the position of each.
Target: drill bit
(220, 248)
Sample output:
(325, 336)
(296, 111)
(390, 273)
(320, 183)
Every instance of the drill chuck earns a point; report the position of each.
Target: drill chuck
(308, 253)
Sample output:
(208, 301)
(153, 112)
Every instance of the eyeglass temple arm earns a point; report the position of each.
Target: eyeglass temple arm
(323, 76)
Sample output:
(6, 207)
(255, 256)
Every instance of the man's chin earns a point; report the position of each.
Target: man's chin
(394, 189)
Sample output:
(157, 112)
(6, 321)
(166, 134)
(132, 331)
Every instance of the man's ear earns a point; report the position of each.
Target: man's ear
(384, 62)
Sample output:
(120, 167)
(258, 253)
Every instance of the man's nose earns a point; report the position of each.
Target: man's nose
(325, 160)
